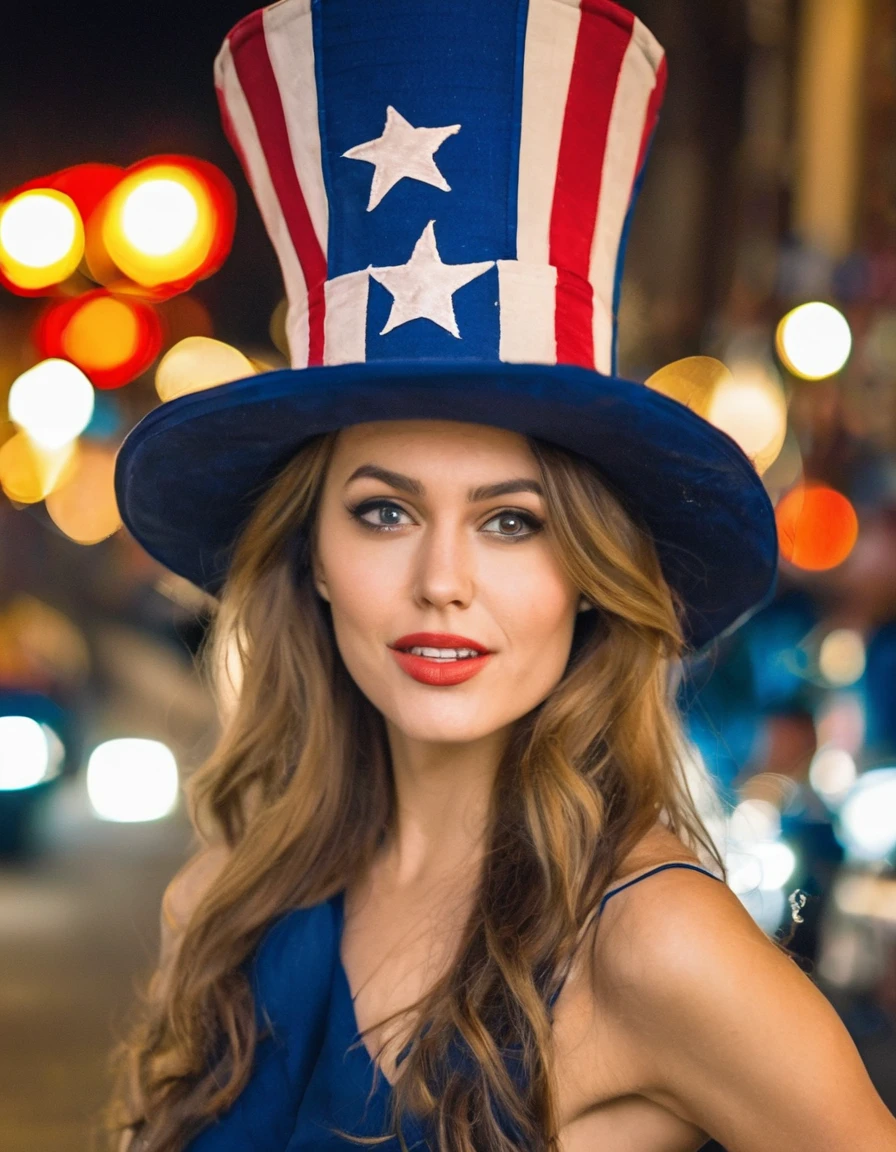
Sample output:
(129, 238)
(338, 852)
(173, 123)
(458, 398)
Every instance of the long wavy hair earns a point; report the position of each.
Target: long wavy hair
(297, 792)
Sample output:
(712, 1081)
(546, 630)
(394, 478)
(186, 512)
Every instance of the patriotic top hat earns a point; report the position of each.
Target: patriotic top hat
(448, 185)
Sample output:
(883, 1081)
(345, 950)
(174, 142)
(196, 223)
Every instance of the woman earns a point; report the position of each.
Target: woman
(398, 929)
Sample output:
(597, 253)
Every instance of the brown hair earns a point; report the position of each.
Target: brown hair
(585, 775)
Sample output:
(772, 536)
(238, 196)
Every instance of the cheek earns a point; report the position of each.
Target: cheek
(362, 586)
(535, 608)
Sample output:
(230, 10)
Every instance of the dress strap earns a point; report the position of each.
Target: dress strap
(650, 872)
(612, 892)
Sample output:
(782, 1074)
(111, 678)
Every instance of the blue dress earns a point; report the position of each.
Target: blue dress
(311, 1074)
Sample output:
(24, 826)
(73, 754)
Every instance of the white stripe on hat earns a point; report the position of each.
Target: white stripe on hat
(633, 92)
(551, 34)
(292, 60)
(528, 305)
(345, 323)
(268, 203)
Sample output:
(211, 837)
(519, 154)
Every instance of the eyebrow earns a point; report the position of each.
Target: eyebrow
(415, 488)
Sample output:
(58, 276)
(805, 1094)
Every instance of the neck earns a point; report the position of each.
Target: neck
(443, 798)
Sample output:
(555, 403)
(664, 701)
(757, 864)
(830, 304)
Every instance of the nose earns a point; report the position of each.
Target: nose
(444, 566)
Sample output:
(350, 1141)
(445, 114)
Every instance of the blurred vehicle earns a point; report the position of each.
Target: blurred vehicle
(44, 663)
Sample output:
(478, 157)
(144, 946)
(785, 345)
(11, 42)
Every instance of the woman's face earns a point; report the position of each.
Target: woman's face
(485, 570)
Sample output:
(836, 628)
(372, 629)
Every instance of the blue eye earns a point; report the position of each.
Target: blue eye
(360, 510)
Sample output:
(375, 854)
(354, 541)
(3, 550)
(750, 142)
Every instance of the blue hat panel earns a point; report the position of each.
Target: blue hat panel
(433, 68)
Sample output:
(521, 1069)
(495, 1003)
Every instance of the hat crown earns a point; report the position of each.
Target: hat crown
(445, 182)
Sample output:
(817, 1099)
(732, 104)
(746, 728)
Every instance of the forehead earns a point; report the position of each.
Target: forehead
(437, 440)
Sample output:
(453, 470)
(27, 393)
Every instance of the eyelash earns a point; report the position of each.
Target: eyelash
(368, 505)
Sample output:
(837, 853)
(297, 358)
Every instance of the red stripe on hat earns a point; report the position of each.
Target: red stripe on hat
(600, 49)
(256, 76)
(653, 111)
(230, 131)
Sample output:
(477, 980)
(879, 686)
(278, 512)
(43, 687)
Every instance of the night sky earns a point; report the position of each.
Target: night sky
(118, 82)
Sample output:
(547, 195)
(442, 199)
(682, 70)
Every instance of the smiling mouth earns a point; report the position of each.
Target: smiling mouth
(441, 655)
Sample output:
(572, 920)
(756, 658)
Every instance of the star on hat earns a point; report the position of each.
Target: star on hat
(424, 287)
(402, 151)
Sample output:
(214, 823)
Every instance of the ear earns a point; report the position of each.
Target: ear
(320, 584)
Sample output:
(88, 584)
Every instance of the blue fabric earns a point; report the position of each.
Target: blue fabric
(313, 1074)
(434, 73)
(291, 977)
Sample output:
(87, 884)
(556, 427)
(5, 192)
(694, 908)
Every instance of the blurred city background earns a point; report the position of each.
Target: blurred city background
(134, 266)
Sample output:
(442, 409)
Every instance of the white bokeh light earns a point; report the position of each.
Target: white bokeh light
(754, 820)
(832, 773)
(24, 753)
(867, 817)
(37, 230)
(52, 402)
(159, 216)
(814, 340)
(131, 780)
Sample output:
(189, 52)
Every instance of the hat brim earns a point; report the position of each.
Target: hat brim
(188, 474)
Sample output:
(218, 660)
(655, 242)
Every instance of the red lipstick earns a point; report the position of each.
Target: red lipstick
(440, 673)
(437, 640)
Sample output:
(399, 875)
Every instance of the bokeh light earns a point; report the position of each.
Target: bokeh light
(52, 402)
(111, 338)
(169, 221)
(159, 216)
(841, 656)
(814, 340)
(754, 820)
(29, 472)
(691, 381)
(867, 818)
(131, 780)
(41, 239)
(85, 508)
(832, 773)
(24, 753)
(197, 363)
(817, 527)
(751, 407)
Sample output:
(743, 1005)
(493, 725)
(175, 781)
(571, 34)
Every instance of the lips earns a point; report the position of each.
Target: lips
(437, 640)
(439, 673)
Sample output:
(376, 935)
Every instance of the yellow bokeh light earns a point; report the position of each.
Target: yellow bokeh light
(814, 340)
(28, 473)
(841, 656)
(692, 381)
(159, 224)
(197, 363)
(41, 238)
(85, 508)
(752, 409)
(52, 402)
(102, 334)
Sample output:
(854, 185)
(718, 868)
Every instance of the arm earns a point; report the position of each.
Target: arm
(727, 1031)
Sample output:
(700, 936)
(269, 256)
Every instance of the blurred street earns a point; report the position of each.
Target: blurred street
(77, 927)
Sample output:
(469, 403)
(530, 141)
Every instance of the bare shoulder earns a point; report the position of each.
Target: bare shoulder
(723, 1028)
